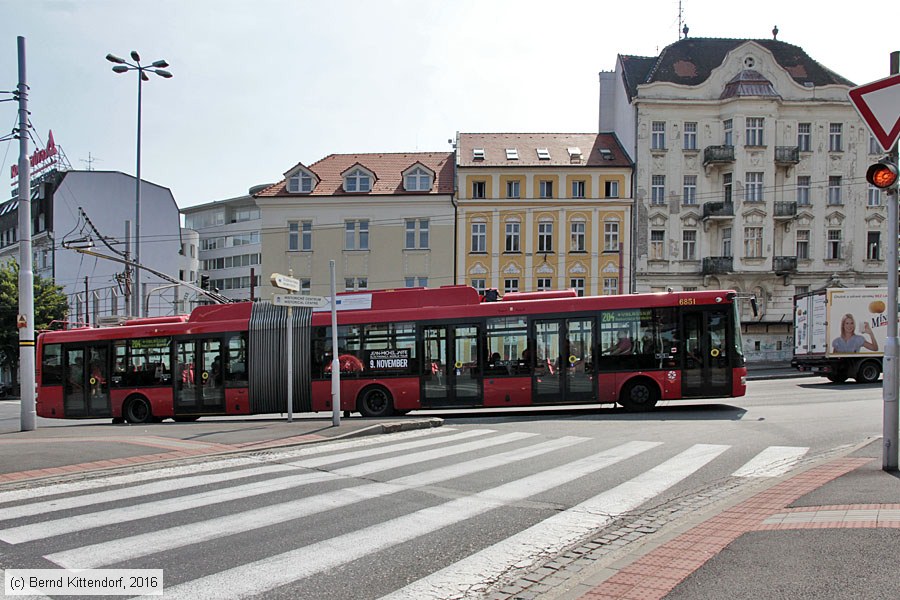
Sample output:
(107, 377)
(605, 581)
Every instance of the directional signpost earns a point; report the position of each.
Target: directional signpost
(296, 301)
(878, 103)
(291, 284)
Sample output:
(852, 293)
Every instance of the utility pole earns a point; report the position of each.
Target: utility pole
(25, 321)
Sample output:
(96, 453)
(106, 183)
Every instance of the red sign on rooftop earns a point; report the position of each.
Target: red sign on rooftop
(878, 103)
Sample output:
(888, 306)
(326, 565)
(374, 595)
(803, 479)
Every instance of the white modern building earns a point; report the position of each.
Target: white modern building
(750, 169)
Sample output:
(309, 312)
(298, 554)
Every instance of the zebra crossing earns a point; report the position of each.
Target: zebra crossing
(338, 505)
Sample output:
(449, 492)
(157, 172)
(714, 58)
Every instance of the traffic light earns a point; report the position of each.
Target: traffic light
(204, 282)
(882, 174)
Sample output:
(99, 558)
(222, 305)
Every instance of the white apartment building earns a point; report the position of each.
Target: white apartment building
(750, 175)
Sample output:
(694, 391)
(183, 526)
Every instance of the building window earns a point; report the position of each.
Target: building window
(357, 181)
(578, 189)
(479, 237)
(754, 131)
(299, 236)
(576, 239)
(803, 184)
(689, 244)
(611, 237)
(873, 245)
(611, 188)
(834, 190)
(546, 189)
(728, 129)
(417, 180)
(690, 136)
(804, 137)
(512, 189)
(512, 237)
(753, 242)
(658, 189)
(577, 284)
(873, 196)
(544, 284)
(610, 286)
(657, 244)
(874, 146)
(301, 182)
(356, 235)
(727, 187)
(478, 188)
(416, 234)
(835, 133)
(510, 285)
(545, 237)
(753, 187)
(690, 190)
(354, 284)
(803, 244)
(658, 135)
(833, 244)
(416, 282)
(479, 284)
(726, 242)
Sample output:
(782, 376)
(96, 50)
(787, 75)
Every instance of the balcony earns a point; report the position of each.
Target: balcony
(785, 210)
(787, 155)
(718, 155)
(713, 265)
(718, 210)
(782, 265)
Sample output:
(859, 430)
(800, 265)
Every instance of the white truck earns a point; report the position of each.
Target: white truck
(840, 333)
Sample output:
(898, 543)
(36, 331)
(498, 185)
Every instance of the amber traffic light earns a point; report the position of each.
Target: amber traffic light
(882, 174)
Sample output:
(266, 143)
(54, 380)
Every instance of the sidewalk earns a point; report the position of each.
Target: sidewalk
(828, 532)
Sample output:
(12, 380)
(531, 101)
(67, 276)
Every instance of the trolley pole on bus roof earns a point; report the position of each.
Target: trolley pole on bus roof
(25, 320)
(335, 361)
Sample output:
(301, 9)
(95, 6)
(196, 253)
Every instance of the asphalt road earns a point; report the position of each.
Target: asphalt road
(366, 518)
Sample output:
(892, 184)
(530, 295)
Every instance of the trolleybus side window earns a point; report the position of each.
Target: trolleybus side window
(389, 349)
(236, 361)
(142, 361)
(51, 365)
(640, 338)
(507, 341)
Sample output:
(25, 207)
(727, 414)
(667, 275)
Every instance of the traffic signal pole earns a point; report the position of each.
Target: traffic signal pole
(890, 391)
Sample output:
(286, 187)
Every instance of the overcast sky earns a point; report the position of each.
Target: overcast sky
(261, 85)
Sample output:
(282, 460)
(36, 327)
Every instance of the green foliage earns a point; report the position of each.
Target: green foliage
(50, 303)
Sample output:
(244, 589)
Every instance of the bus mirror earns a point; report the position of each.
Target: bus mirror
(753, 306)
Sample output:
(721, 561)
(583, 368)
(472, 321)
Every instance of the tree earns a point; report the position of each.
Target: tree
(50, 303)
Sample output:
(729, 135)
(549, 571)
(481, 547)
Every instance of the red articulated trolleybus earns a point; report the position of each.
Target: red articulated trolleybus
(400, 350)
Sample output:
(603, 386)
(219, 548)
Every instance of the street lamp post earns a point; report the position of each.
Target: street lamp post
(123, 66)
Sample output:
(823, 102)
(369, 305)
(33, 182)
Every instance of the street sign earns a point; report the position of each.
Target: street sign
(878, 103)
(286, 283)
(296, 300)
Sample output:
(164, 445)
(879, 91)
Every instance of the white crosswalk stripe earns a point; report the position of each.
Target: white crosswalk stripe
(463, 475)
(774, 461)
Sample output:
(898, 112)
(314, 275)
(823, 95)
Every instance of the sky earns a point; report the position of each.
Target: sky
(260, 85)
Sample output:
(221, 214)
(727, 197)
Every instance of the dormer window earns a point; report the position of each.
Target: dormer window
(357, 180)
(301, 182)
(477, 153)
(512, 154)
(574, 153)
(417, 179)
(543, 154)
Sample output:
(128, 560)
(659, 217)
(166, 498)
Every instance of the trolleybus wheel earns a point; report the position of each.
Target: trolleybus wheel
(839, 377)
(639, 395)
(376, 402)
(868, 372)
(138, 410)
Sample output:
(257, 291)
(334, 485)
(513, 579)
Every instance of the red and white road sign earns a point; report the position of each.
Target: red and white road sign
(878, 103)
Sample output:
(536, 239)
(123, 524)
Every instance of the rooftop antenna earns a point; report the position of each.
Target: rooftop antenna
(89, 161)
(681, 22)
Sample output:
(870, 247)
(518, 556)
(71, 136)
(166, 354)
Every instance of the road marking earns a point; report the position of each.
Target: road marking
(551, 536)
(772, 462)
(124, 514)
(119, 550)
(266, 574)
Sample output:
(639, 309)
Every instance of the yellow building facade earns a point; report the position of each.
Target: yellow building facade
(540, 212)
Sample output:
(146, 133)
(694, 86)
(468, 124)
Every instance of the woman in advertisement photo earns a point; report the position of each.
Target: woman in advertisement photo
(850, 341)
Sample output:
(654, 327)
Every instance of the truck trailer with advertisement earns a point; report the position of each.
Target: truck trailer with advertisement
(840, 333)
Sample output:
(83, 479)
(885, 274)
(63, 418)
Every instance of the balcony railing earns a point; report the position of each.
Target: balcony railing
(787, 155)
(713, 265)
(784, 264)
(718, 154)
(718, 210)
(786, 209)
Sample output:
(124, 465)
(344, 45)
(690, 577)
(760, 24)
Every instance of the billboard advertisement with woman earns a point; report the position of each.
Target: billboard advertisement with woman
(857, 321)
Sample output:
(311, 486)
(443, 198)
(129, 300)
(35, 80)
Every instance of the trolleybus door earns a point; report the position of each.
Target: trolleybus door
(452, 375)
(707, 355)
(563, 371)
(199, 383)
(87, 381)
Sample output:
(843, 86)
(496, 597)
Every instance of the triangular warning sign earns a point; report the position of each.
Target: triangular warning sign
(878, 103)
